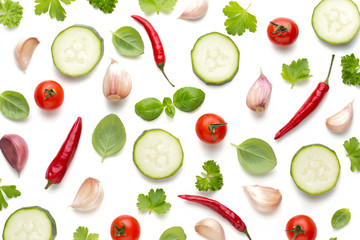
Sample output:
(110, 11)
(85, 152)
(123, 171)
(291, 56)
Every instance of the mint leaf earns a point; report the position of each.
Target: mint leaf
(296, 71)
(239, 19)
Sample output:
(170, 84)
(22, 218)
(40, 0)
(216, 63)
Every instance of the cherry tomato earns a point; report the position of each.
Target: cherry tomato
(49, 95)
(282, 31)
(125, 227)
(302, 227)
(211, 128)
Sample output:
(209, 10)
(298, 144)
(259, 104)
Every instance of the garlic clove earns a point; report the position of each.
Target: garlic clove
(197, 9)
(259, 94)
(15, 151)
(89, 195)
(210, 229)
(24, 51)
(117, 83)
(264, 199)
(339, 122)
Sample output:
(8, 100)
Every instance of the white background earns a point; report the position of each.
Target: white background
(46, 131)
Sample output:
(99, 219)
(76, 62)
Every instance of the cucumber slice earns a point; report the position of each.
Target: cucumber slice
(336, 21)
(158, 154)
(315, 169)
(215, 58)
(76, 50)
(30, 223)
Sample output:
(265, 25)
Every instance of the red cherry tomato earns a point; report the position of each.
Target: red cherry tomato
(282, 31)
(211, 128)
(125, 227)
(49, 95)
(302, 227)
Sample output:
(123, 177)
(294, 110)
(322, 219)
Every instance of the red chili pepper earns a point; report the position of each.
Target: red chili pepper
(311, 103)
(225, 212)
(61, 162)
(159, 53)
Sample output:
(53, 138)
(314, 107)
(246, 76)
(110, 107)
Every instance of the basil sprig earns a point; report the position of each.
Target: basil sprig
(173, 233)
(128, 42)
(13, 105)
(340, 218)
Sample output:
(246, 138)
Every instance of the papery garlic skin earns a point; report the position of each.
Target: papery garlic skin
(117, 82)
(15, 150)
(259, 94)
(24, 51)
(339, 122)
(89, 195)
(197, 9)
(264, 199)
(210, 229)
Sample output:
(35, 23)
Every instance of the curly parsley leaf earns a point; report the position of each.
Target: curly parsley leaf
(154, 201)
(81, 233)
(10, 13)
(53, 7)
(107, 6)
(352, 146)
(157, 5)
(350, 70)
(296, 71)
(10, 192)
(211, 180)
(239, 19)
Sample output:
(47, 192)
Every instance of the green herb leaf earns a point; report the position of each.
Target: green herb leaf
(149, 109)
(10, 192)
(109, 136)
(352, 146)
(107, 6)
(211, 180)
(296, 71)
(335, 238)
(13, 105)
(154, 201)
(187, 99)
(128, 42)
(81, 233)
(350, 70)
(340, 218)
(173, 233)
(239, 19)
(256, 156)
(157, 5)
(169, 107)
(10, 13)
(53, 7)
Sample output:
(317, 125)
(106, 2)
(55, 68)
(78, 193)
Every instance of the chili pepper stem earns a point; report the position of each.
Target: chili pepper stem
(48, 184)
(161, 67)
(246, 233)
(328, 76)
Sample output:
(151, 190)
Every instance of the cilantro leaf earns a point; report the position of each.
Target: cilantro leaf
(81, 233)
(350, 70)
(10, 13)
(352, 146)
(296, 71)
(154, 201)
(157, 5)
(53, 7)
(239, 19)
(10, 192)
(212, 180)
(107, 6)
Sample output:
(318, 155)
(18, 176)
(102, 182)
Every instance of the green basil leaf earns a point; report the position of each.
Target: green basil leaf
(173, 233)
(149, 108)
(169, 107)
(128, 42)
(109, 136)
(340, 218)
(256, 156)
(188, 99)
(13, 105)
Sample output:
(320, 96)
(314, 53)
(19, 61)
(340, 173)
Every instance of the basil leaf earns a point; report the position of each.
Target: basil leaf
(173, 233)
(188, 99)
(340, 218)
(128, 42)
(109, 136)
(13, 105)
(149, 108)
(256, 156)
(169, 107)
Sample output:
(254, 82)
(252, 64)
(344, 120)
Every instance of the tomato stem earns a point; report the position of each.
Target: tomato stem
(297, 230)
(120, 231)
(280, 29)
(212, 127)
(48, 93)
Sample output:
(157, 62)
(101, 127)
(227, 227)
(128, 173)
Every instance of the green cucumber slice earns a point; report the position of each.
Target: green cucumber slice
(158, 154)
(336, 21)
(315, 169)
(215, 58)
(30, 223)
(76, 50)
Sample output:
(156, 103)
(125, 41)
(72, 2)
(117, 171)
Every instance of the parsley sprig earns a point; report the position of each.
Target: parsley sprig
(239, 19)
(107, 6)
(82, 233)
(296, 71)
(10, 192)
(154, 201)
(157, 5)
(10, 13)
(350, 70)
(53, 7)
(352, 146)
(211, 180)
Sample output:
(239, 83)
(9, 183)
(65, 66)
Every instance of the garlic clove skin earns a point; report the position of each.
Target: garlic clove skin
(210, 229)
(197, 9)
(117, 82)
(89, 195)
(264, 199)
(24, 51)
(15, 150)
(339, 122)
(259, 94)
